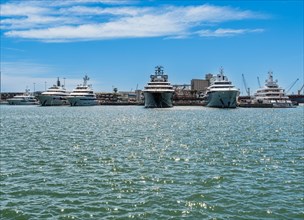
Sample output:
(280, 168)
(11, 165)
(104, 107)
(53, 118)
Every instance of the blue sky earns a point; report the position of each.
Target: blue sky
(119, 42)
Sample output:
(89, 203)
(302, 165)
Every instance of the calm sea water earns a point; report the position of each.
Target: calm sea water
(124, 162)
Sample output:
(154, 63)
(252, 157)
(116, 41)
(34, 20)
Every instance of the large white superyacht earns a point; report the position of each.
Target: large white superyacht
(272, 94)
(54, 96)
(83, 95)
(159, 92)
(221, 93)
(25, 99)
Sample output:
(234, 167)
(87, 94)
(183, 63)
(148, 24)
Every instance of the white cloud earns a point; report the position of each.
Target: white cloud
(221, 32)
(209, 13)
(121, 11)
(109, 2)
(36, 21)
(73, 22)
(126, 28)
(22, 9)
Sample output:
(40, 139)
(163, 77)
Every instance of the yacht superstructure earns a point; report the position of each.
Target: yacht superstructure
(25, 99)
(271, 93)
(83, 95)
(54, 96)
(221, 93)
(159, 92)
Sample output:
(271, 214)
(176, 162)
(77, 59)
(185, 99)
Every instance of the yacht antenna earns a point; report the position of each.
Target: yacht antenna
(221, 70)
(85, 80)
(27, 89)
(270, 75)
(159, 70)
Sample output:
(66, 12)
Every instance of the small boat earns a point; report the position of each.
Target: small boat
(26, 99)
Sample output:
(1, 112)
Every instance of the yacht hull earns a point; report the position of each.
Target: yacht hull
(221, 99)
(158, 99)
(283, 105)
(52, 100)
(82, 101)
(296, 98)
(22, 102)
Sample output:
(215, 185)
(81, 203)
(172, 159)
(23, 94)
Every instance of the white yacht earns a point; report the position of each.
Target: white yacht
(25, 99)
(221, 93)
(159, 92)
(272, 94)
(83, 95)
(54, 96)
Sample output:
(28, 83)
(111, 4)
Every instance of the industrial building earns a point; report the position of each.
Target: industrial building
(200, 85)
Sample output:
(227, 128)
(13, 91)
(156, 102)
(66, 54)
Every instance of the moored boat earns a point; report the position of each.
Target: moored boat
(272, 94)
(159, 92)
(83, 95)
(25, 99)
(54, 96)
(221, 93)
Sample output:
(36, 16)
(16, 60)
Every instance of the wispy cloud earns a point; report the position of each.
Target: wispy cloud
(24, 68)
(221, 32)
(12, 49)
(26, 73)
(77, 20)
(22, 9)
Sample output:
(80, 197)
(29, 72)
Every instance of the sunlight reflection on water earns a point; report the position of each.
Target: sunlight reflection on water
(131, 162)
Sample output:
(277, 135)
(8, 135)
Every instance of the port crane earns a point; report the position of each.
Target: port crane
(245, 84)
(259, 82)
(290, 87)
(299, 91)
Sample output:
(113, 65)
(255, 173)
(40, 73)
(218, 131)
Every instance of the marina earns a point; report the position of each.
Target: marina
(151, 110)
(213, 91)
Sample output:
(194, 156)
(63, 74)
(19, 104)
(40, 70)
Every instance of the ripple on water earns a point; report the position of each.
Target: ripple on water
(131, 162)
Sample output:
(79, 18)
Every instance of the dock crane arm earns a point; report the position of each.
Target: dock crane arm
(290, 87)
(299, 91)
(259, 82)
(245, 84)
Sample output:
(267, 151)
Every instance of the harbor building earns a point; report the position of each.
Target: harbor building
(201, 85)
(127, 96)
(184, 95)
